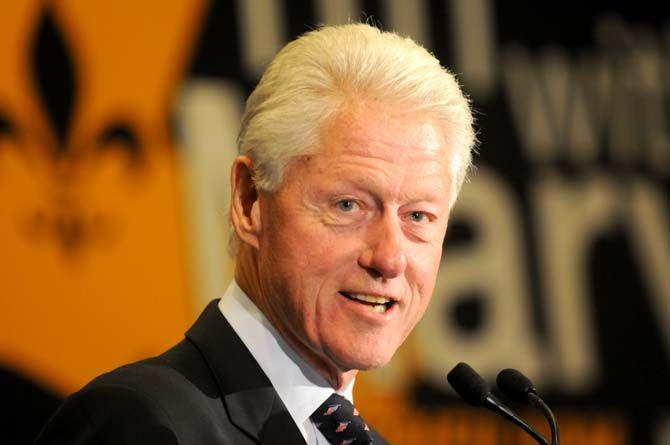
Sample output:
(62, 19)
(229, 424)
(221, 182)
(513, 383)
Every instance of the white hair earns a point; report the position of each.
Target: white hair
(315, 75)
(319, 73)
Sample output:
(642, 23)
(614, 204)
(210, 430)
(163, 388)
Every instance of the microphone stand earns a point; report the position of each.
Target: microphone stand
(473, 389)
(548, 414)
(497, 407)
(518, 387)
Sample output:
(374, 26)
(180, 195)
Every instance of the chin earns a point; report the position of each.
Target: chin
(372, 365)
(363, 360)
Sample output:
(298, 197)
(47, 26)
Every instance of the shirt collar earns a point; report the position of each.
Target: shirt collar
(301, 388)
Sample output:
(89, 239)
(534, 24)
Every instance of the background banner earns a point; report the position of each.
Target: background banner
(118, 122)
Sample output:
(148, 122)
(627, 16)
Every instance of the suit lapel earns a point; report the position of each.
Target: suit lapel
(251, 402)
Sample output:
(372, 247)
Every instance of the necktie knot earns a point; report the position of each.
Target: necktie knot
(340, 422)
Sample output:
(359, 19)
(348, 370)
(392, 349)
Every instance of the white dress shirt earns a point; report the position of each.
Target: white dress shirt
(301, 388)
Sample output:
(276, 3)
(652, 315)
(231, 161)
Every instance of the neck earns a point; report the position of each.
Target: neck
(248, 278)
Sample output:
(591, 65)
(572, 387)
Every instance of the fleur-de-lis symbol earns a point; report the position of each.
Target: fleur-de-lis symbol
(54, 71)
(7, 127)
(54, 79)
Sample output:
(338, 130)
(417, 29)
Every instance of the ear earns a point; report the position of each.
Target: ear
(244, 207)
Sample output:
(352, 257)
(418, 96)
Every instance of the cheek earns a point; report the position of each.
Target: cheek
(321, 251)
(432, 270)
(426, 266)
(424, 276)
(306, 261)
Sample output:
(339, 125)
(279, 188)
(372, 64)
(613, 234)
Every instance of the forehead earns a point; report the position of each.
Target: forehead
(378, 132)
(392, 155)
(376, 145)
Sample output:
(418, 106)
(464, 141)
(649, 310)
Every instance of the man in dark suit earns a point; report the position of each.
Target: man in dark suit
(353, 147)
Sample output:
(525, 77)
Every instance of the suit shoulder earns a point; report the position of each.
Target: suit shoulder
(108, 413)
(149, 395)
(170, 377)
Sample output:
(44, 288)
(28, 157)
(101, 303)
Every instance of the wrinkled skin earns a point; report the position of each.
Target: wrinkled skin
(366, 214)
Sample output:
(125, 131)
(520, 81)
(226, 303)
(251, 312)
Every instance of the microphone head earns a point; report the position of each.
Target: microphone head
(468, 384)
(515, 385)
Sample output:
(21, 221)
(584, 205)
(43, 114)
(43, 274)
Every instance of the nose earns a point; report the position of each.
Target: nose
(383, 256)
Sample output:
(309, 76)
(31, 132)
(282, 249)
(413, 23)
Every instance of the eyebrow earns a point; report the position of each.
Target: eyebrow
(369, 185)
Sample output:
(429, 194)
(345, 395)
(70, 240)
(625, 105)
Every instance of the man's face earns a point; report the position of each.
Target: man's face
(363, 219)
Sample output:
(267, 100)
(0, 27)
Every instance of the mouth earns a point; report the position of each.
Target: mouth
(376, 303)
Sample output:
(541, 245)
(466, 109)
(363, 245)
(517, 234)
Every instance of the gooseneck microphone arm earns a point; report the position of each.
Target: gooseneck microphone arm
(495, 405)
(473, 389)
(548, 414)
(519, 388)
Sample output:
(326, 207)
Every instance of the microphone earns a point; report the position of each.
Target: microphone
(473, 389)
(519, 388)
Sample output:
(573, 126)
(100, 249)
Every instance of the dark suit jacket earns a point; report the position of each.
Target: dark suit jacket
(208, 389)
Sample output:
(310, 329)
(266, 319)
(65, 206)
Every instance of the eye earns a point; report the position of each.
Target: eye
(346, 205)
(418, 217)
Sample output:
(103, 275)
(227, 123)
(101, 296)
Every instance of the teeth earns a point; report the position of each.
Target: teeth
(378, 308)
(371, 298)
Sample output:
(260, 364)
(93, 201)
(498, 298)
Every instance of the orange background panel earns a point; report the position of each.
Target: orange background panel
(93, 247)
